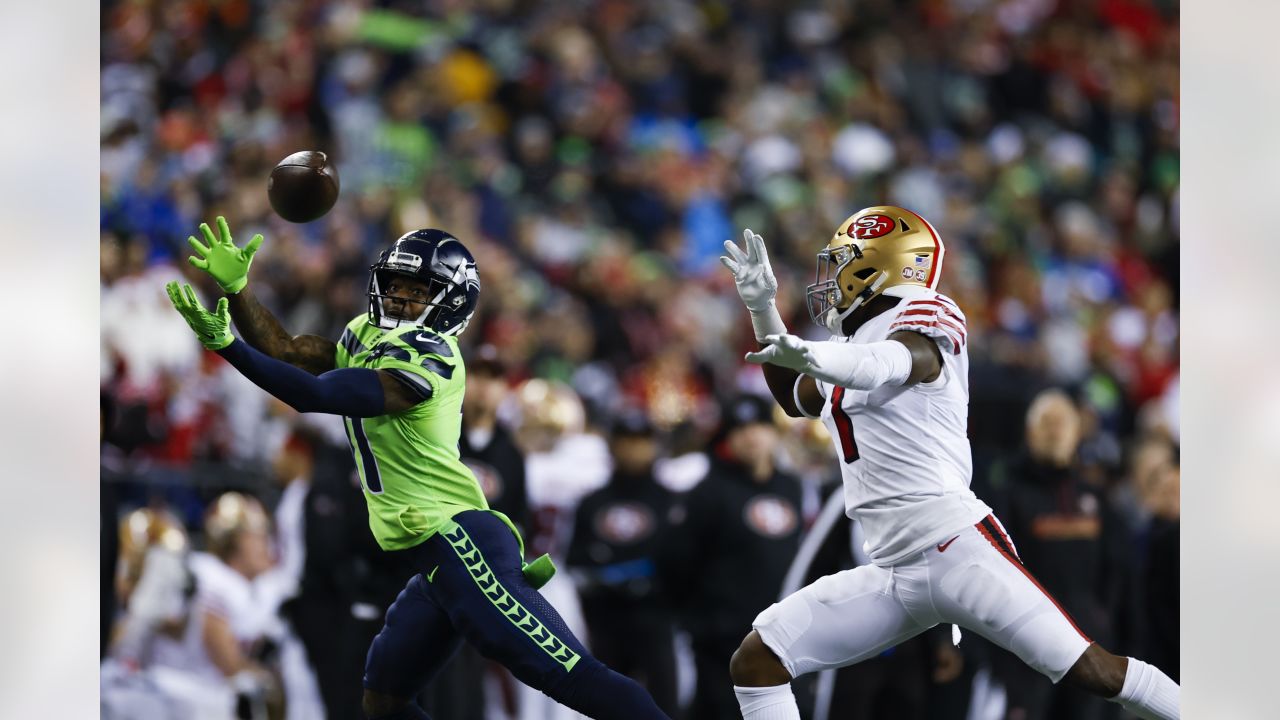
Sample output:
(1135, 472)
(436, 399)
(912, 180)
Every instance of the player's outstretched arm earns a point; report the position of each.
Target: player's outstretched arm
(906, 358)
(262, 330)
(353, 392)
(229, 266)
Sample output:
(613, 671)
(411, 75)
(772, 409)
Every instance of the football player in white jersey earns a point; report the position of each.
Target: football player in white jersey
(891, 385)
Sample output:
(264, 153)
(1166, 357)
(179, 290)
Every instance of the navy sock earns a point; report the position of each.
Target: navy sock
(410, 711)
(602, 694)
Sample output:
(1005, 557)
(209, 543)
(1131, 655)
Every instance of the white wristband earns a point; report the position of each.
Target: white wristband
(795, 397)
(767, 322)
(860, 367)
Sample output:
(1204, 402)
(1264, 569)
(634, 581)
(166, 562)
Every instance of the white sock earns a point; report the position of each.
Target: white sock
(767, 703)
(1148, 693)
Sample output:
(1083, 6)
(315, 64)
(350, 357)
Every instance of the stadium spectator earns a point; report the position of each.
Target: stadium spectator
(1069, 538)
(732, 539)
(617, 531)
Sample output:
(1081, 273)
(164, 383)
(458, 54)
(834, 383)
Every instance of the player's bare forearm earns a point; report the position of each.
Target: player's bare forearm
(926, 358)
(781, 381)
(263, 331)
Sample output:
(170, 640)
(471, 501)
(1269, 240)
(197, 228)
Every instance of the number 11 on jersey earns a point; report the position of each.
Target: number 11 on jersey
(365, 461)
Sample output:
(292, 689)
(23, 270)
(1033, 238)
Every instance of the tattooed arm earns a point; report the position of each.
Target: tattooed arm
(262, 330)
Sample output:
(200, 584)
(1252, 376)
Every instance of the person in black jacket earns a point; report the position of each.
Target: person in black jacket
(1069, 538)
(486, 445)
(347, 581)
(733, 537)
(615, 537)
(1161, 576)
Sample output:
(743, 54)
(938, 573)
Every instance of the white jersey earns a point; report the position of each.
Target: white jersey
(904, 450)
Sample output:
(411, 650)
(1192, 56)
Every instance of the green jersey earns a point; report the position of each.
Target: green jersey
(408, 462)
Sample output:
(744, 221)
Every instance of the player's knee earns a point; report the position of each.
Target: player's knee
(754, 665)
(376, 704)
(1099, 672)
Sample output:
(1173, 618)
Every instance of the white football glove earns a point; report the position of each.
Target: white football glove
(751, 272)
(786, 351)
(756, 283)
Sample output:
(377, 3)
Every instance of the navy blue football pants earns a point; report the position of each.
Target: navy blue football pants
(470, 587)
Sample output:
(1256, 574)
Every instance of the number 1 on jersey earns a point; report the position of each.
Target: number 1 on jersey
(844, 426)
(365, 460)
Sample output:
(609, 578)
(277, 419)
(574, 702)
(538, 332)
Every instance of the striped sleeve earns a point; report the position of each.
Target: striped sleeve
(347, 347)
(351, 343)
(417, 384)
(937, 317)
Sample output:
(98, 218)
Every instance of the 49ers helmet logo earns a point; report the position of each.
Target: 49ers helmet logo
(868, 227)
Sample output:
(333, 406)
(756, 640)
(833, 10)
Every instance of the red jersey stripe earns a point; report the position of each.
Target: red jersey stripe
(956, 340)
(948, 309)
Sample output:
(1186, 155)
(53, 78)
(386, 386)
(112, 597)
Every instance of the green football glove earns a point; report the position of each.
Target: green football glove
(228, 264)
(213, 328)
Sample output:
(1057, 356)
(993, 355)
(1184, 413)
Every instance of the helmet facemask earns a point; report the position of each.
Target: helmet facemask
(830, 303)
(436, 292)
(449, 288)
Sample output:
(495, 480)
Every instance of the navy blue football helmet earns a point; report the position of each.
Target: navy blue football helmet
(444, 264)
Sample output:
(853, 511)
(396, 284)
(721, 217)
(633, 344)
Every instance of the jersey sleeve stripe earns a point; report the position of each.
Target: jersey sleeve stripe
(930, 316)
(951, 310)
(940, 312)
(956, 342)
(351, 343)
(947, 322)
(415, 383)
(944, 299)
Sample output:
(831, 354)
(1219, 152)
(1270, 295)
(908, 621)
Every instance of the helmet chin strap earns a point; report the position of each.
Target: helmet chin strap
(834, 320)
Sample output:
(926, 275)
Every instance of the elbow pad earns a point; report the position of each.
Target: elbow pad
(860, 367)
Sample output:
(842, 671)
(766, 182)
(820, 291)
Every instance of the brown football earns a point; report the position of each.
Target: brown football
(303, 187)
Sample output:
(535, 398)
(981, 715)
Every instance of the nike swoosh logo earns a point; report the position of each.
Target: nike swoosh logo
(432, 574)
(942, 547)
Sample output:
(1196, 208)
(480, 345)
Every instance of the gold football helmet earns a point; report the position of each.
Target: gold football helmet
(874, 251)
(549, 410)
(231, 514)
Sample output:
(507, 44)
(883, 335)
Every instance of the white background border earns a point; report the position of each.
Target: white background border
(48, 368)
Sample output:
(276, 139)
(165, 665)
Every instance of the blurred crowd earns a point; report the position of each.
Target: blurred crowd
(594, 155)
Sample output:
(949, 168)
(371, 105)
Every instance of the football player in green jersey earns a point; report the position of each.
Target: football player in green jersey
(397, 377)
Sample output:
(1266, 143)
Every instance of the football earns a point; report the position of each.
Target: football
(303, 186)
